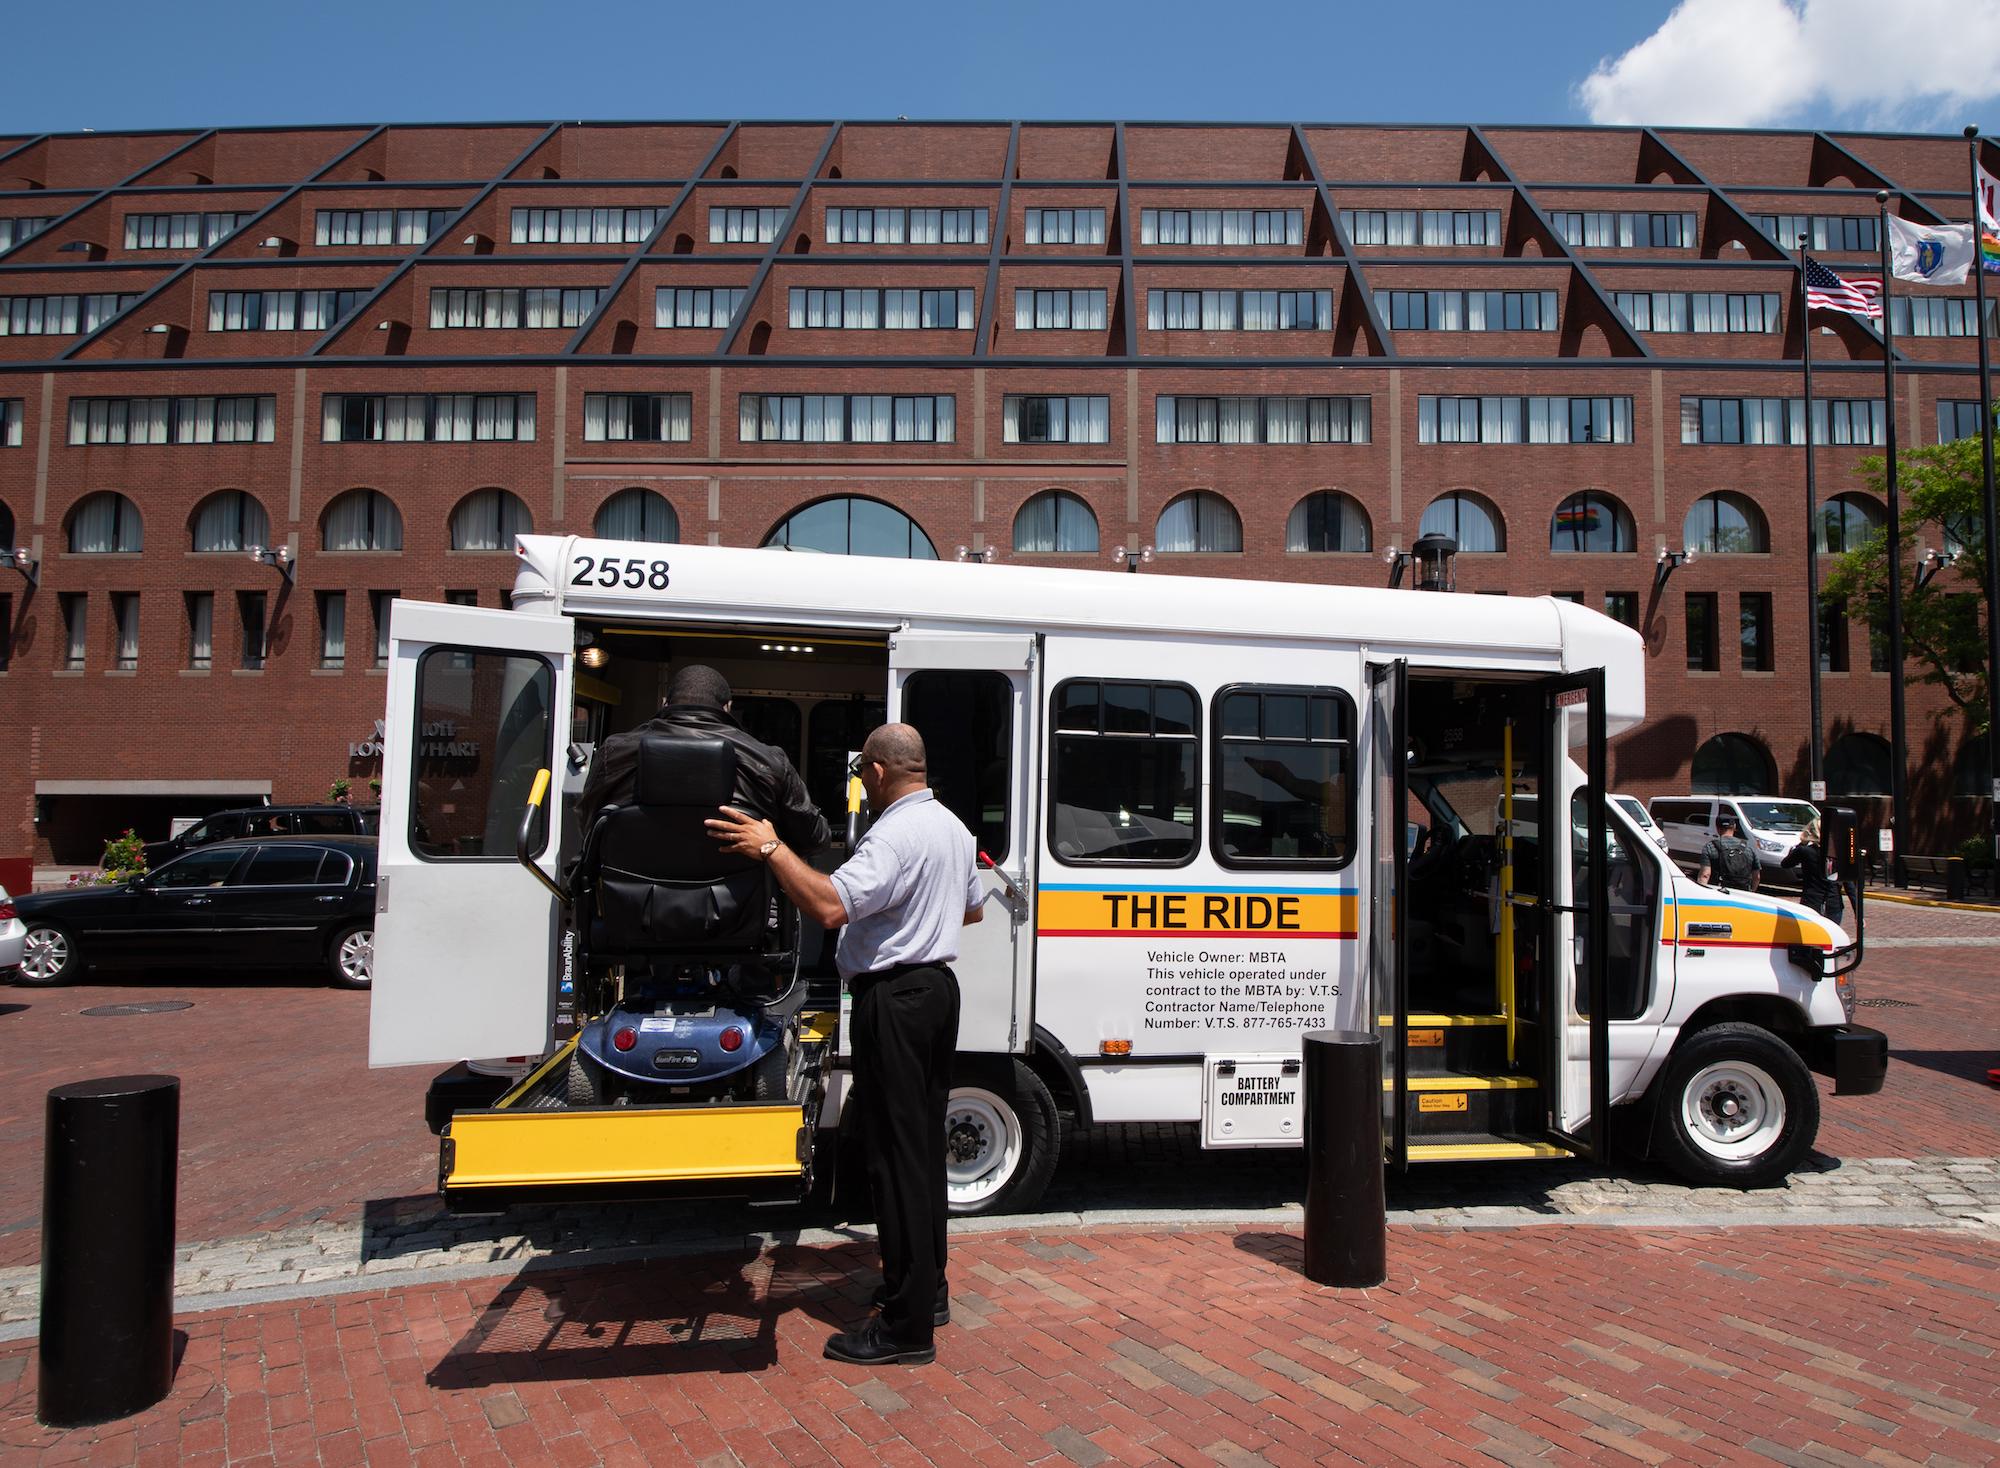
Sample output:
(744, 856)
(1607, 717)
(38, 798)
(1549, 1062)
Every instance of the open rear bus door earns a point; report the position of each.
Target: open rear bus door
(1575, 853)
(1388, 857)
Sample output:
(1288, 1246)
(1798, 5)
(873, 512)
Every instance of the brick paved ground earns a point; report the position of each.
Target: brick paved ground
(1824, 1346)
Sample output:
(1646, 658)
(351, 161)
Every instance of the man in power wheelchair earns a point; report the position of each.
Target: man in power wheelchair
(689, 957)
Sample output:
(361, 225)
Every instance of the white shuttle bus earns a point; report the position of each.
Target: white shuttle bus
(1214, 815)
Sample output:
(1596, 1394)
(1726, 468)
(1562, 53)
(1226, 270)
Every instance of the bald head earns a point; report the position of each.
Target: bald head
(900, 750)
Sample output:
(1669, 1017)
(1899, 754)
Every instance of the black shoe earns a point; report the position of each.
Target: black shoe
(871, 1346)
(940, 1312)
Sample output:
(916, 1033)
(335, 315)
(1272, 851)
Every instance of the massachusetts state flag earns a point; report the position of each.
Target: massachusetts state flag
(1826, 291)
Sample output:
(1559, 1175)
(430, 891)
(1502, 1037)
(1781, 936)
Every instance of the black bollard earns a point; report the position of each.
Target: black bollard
(113, 1152)
(1347, 1226)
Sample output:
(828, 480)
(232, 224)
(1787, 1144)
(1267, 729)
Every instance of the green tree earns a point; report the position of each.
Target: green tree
(1941, 487)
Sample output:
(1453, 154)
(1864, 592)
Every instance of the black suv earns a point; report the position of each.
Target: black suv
(266, 820)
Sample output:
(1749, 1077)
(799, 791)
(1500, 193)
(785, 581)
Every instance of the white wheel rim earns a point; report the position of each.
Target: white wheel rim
(44, 953)
(357, 957)
(1733, 1110)
(982, 1144)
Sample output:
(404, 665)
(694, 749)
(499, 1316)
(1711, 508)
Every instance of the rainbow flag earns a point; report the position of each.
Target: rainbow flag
(1989, 250)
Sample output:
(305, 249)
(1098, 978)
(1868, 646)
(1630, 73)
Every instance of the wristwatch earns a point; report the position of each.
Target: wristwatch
(764, 851)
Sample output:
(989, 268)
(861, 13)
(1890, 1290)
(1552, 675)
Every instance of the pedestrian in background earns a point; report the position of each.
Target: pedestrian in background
(1818, 888)
(1728, 858)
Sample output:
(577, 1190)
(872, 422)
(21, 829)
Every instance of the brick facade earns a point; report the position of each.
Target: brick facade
(287, 727)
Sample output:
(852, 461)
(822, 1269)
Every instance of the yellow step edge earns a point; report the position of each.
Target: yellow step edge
(1446, 1021)
(1482, 1151)
(1465, 1083)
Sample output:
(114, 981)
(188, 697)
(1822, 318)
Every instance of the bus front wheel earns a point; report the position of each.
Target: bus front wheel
(1737, 1108)
(1001, 1135)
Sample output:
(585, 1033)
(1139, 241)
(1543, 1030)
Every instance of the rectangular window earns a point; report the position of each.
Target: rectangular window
(465, 807)
(279, 310)
(1056, 420)
(869, 309)
(1064, 226)
(60, 315)
(21, 228)
(333, 629)
(1380, 226)
(1260, 420)
(1941, 315)
(1878, 647)
(833, 418)
(179, 231)
(906, 226)
(1468, 310)
(967, 721)
(172, 420)
(1754, 630)
(638, 417)
(1284, 761)
(1461, 227)
(1524, 420)
(1221, 226)
(125, 630)
(1781, 421)
(536, 308)
(1703, 654)
(1608, 230)
(10, 428)
(1701, 312)
(6, 629)
(1622, 606)
(1957, 418)
(1127, 779)
(1833, 634)
(582, 226)
(686, 306)
(427, 417)
(1226, 310)
(1846, 233)
(201, 629)
(378, 226)
(378, 612)
(745, 226)
(75, 607)
(250, 615)
(1058, 310)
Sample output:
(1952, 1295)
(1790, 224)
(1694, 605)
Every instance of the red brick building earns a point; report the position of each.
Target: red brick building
(1268, 351)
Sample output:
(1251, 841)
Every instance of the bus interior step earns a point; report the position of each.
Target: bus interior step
(1482, 1147)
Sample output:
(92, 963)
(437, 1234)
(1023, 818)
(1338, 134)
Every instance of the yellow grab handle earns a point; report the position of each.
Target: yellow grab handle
(541, 787)
(854, 794)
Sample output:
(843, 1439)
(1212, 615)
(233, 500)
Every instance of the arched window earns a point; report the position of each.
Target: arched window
(1732, 764)
(488, 520)
(230, 521)
(853, 526)
(1857, 764)
(1056, 520)
(1467, 518)
(1725, 524)
(362, 520)
(105, 522)
(1201, 521)
(1327, 521)
(1846, 521)
(1591, 520)
(638, 514)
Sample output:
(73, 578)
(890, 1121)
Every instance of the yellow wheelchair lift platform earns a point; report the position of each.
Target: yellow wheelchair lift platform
(532, 1146)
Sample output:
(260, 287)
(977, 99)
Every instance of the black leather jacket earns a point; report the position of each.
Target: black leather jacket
(767, 785)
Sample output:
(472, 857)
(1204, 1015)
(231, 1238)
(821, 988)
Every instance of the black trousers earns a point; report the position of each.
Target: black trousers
(905, 1030)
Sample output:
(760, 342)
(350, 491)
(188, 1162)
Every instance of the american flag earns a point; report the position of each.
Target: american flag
(1826, 291)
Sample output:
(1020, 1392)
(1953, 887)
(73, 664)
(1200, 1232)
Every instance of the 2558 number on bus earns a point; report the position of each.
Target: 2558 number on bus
(632, 572)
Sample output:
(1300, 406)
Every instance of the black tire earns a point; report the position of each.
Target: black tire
(584, 1084)
(350, 957)
(48, 957)
(1737, 1108)
(1002, 1135)
(771, 1076)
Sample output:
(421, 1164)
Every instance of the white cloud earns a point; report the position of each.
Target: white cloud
(1752, 63)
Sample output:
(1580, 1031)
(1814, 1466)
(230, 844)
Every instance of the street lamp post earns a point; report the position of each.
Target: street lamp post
(1813, 762)
(1898, 727)
(1986, 464)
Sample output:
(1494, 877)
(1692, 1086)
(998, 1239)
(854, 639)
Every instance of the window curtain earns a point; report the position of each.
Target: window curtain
(105, 523)
(332, 629)
(201, 629)
(638, 514)
(230, 521)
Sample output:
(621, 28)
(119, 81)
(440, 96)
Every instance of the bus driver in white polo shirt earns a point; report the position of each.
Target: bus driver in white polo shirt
(910, 886)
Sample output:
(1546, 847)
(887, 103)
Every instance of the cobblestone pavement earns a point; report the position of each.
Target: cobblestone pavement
(1824, 1346)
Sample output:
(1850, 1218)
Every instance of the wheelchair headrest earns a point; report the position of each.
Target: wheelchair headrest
(679, 771)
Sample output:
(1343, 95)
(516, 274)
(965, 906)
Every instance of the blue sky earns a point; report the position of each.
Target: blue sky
(116, 64)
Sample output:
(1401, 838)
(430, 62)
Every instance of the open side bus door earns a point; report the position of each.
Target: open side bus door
(479, 702)
(1388, 946)
(1575, 846)
(974, 698)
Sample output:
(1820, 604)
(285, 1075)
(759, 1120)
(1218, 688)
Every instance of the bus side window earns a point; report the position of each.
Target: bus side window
(967, 721)
(1126, 773)
(484, 731)
(1284, 760)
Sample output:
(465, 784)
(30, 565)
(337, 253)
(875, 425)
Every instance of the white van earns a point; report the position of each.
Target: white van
(1771, 824)
(1195, 795)
(1641, 818)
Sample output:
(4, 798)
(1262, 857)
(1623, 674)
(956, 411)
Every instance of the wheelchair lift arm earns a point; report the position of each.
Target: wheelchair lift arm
(526, 835)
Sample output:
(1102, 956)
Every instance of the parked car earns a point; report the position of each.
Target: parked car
(283, 902)
(12, 931)
(1632, 807)
(265, 820)
(1770, 824)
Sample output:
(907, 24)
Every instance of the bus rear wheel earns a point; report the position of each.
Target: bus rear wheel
(1737, 1108)
(1001, 1136)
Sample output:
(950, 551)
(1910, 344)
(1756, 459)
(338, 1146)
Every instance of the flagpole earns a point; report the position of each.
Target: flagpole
(1898, 729)
(1992, 556)
(1816, 774)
